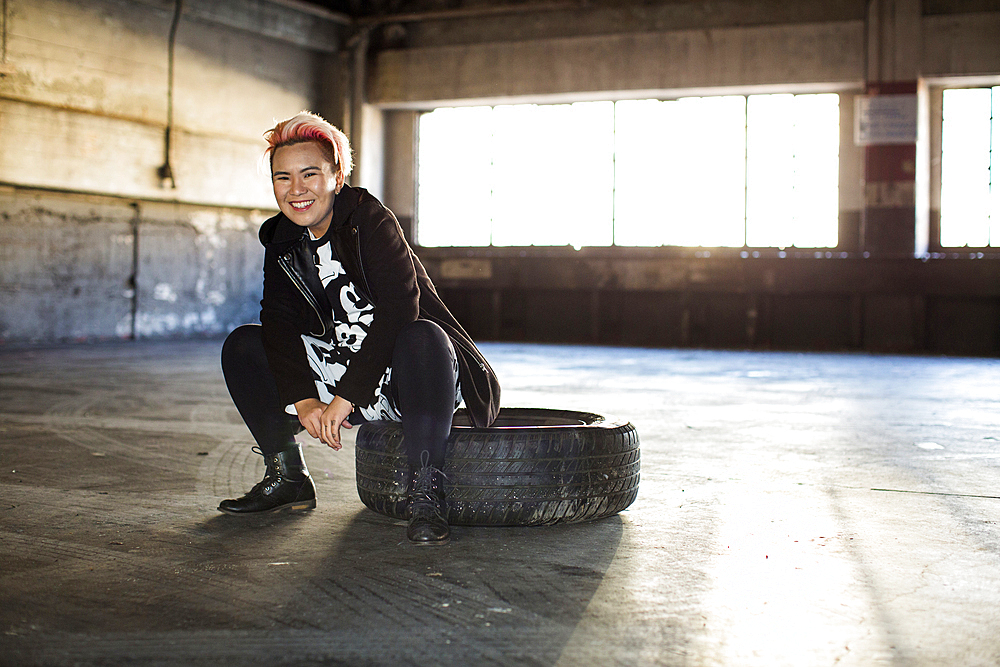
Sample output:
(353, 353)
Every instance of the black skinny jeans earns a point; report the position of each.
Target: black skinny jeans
(422, 384)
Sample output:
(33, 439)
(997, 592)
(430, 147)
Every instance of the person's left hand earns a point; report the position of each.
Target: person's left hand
(332, 419)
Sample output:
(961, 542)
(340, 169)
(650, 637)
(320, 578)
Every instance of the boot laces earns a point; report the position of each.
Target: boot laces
(426, 496)
(272, 475)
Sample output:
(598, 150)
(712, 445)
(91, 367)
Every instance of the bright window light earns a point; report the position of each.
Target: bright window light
(970, 196)
(793, 149)
(723, 171)
(454, 177)
(553, 174)
(679, 172)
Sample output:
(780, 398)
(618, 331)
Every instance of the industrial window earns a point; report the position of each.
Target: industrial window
(970, 144)
(727, 171)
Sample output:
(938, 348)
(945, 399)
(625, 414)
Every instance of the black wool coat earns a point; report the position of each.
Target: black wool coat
(369, 243)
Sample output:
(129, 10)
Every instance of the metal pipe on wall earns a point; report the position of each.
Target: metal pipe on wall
(358, 45)
(3, 44)
(133, 280)
(165, 171)
(5, 69)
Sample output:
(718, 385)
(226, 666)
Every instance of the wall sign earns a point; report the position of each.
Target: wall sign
(885, 119)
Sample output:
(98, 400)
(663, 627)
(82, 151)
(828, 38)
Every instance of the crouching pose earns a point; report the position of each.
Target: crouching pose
(351, 330)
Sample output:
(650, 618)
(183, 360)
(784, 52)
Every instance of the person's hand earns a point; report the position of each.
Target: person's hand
(323, 421)
(333, 418)
(310, 410)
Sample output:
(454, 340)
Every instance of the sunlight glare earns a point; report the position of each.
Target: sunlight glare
(965, 168)
(679, 176)
(553, 174)
(793, 170)
(453, 177)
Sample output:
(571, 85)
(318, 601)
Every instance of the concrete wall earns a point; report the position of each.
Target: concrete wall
(83, 113)
(94, 267)
(96, 245)
(632, 65)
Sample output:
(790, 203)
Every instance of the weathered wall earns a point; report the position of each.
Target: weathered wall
(94, 245)
(625, 65)
(92, 267)
(83, 114)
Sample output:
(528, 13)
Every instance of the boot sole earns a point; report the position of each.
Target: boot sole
(300, 506)
(429, 543)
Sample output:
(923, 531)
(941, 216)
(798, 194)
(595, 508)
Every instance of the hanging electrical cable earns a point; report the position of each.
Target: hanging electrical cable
(3, 45)
(165, 171)
(4, 68)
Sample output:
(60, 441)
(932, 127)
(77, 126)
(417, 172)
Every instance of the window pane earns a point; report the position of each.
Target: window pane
(995, 169)
(679, 172)
(965, 168)
(453, 177)
(817, 170)
(793, 144)
(553, 174)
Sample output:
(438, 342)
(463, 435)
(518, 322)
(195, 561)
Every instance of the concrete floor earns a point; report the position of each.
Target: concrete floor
(794, 509)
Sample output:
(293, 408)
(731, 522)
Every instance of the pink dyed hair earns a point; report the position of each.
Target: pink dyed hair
(306, 126)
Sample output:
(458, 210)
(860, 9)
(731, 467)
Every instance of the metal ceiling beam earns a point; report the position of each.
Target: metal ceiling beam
(470, 12)
(315, 10)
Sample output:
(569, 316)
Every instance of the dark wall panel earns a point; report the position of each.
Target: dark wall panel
(645, 319)
(964, 326)
(811, 322)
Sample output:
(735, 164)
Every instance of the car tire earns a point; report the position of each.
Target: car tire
(531, 467)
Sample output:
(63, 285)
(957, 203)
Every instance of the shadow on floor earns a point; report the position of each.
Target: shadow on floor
(302, 589)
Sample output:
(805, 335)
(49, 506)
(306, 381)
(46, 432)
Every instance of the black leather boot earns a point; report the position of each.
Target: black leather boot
(286, 487)
(428, 509)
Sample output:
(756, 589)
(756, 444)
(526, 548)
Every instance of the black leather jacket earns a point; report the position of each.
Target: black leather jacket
(370, 245)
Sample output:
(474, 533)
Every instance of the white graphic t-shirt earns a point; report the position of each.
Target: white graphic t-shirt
(352, 316)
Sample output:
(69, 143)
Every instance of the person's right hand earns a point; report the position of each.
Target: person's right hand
(310, 411)
(323, 421)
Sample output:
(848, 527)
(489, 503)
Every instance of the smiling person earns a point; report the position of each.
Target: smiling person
(351, 330)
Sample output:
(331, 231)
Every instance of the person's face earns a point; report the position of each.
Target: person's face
(304, 186)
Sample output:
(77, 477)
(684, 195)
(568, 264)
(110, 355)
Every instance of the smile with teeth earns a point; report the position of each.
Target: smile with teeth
(302, 205)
